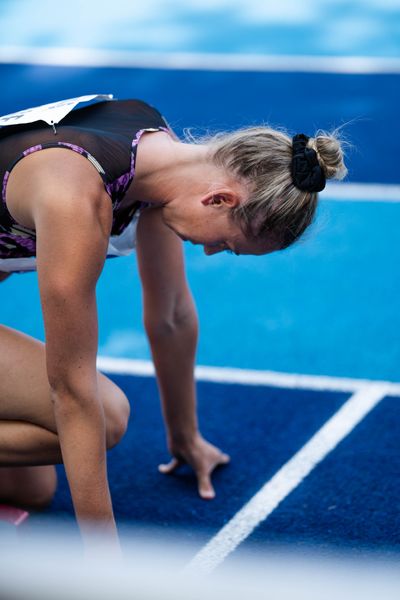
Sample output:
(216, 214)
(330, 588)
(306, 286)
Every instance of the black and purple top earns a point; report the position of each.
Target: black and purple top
(107, 134)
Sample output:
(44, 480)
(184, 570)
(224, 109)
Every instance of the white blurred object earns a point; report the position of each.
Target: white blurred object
(51, 113)
(156, 569)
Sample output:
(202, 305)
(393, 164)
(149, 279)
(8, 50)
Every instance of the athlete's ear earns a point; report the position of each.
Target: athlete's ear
(221, 197)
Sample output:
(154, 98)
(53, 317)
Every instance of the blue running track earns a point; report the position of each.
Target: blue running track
(326, 307)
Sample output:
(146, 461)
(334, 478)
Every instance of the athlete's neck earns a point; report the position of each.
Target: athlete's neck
(164, 165)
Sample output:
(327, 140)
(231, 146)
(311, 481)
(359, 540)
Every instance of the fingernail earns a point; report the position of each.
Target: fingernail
(208, 494)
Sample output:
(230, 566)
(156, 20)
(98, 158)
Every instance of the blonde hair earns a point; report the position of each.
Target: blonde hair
(261, 158)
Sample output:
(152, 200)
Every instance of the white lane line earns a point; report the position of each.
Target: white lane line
(287, 479)
(363, 192)
(91, 57)
(126, 366)
(145, 368)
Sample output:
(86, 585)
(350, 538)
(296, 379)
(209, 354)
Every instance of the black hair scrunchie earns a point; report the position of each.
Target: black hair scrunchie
(307, 174)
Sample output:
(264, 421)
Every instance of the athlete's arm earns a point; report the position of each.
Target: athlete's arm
(171, 324)
(72, 217)
(170, 321)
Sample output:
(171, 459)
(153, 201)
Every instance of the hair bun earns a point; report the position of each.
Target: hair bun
(330, 154)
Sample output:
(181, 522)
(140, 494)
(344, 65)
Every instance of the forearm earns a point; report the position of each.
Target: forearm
(174, 351)
(81, 432)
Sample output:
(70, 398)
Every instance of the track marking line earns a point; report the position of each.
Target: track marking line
(145, 368)
(92, 57)
(362, 192)
(289, 477)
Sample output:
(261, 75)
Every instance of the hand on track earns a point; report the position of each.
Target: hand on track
(203, 457)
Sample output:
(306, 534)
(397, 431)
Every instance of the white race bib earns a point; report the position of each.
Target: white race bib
(50, 113)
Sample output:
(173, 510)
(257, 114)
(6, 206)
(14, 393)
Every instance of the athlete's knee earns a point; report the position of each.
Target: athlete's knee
(29, 487)
(44, 496)
(118, 417)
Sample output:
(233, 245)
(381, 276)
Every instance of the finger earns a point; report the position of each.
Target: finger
(170, 467)
(224, 459)
(206, 490)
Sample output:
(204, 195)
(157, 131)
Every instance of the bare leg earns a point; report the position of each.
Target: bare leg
(28, 433)
(28, 487)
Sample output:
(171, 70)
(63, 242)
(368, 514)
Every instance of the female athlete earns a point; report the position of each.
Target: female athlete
(108, 178)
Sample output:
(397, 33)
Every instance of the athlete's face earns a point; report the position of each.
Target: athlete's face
(206, 221)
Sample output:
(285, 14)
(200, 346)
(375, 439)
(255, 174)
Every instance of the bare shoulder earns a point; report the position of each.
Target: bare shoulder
(57, 180)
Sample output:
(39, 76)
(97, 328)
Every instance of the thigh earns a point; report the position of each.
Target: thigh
(24, 388)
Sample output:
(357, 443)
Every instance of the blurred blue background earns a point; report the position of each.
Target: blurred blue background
(329, 304)
(314, 27)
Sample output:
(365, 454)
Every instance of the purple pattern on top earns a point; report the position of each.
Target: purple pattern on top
(32, 149)
(26, 242)
(26, 245)
(16, 244)
(5, 181)
(117, 188)
(75, 148)
(121, 184)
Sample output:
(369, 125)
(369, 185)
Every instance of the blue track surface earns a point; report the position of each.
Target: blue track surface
(225, 100)
(326, 306)
(329, 305)
(351, 499)
(337, 289)
(260, 427)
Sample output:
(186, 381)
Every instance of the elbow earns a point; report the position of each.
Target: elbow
(59, 387)
(71, 373)
(60, 380)
(70, 390)
(166, 326)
